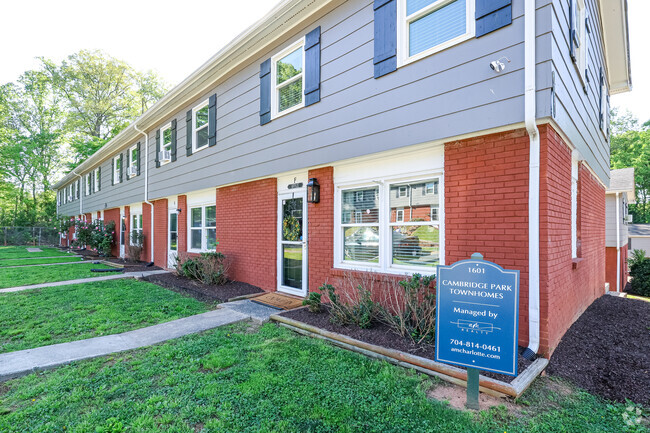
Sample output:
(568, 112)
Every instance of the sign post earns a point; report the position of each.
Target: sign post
(477, 318)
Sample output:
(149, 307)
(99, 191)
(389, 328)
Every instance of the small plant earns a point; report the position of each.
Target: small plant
(640, 273)
(209, 268)
(135, 247)
(97, 236)
(361, 311)
(313, 302)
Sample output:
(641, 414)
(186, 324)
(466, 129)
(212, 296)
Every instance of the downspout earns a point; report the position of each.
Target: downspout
(618, 245)
(146, 180)
(530, 104)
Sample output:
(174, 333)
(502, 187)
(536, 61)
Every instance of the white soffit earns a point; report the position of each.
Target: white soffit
(613, 14)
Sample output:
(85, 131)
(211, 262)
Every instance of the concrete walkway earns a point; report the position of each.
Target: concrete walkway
(23, 362)
(83, 280)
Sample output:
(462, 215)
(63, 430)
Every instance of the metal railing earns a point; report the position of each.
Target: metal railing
(29, 236)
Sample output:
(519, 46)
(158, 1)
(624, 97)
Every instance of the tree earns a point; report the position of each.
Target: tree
(630, 147)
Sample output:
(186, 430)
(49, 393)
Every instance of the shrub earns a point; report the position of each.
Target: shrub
(360, 310)
(640, 273)
(135, 247)
(95, 235)
(313, 302)
(209, 268)
(409, 307)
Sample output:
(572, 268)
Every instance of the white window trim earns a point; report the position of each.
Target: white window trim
(116, 171)
(204, 246)
(162, 143)
(96, 174)
(132, 150)
(385, 264)
(87, 182)
(403, 22)
(195, 130)
(274, 87)
(574, 207)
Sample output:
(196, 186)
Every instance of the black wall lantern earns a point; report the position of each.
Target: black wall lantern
(313, 191)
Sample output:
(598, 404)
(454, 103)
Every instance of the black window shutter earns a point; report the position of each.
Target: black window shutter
(91, 176)
(139, 157)
(572, 29)
(78, 187)
(128, 163)
(212, 120)
(385, 59)
(121, 166)
(157, 148)
(188, 133)
(174, 140)
(113, 171)
(600, 99)
(312, 67)
(492, 15)
(99, 173)
(265, 92)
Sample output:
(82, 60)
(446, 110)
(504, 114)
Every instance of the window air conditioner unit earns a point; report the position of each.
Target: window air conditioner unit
(133, 171)
(165, 155)
(69, 198)
(629, 218)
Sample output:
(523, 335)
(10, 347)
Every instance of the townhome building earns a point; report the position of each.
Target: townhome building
(384, 136)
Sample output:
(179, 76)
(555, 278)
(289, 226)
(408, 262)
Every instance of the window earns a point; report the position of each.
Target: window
(287, 77)
(133, 161)
(604, 108)
(574, 208)
(136, 228)
(122, 229)
(74, 190)
(203, 232)
(173, 231)
(358, 196)
(117, 168)
(200, 125)
(431, 188)
(88, 184)
(400, 232)
(97, 180)
(580, 41)
(428, 26)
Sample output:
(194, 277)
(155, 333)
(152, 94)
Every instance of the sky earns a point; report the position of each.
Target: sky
(175, 38)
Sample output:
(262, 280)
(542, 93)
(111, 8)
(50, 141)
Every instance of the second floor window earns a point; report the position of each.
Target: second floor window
(579, 36)
(97, 180)
(166, 141)
(88, 184)
(427, 26)
(117, 168)
(133, 161)
(201, 122)
(287, 77)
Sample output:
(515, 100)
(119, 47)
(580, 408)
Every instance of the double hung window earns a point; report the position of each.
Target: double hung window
(97, 180)
(287, 77)
(133, 161)
(117, 166)
(579, 36)
(136, 229)
(88, 184)
(200, 125)
(203, 231)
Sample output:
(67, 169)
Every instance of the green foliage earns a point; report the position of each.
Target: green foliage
(98, 236)
(640, 273)
(66, 313)
(35, 262)
(209, 268)
(12, 277)
(313, 302)
(359, 310)
(135, 247)
(271, 380)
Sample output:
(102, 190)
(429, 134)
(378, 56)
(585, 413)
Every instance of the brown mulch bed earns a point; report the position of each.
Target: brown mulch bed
(607, 350)
(128, 265)
(203, 292)
(382, 335)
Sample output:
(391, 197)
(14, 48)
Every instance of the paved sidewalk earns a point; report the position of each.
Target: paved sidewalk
(23, 362)
(83, 280)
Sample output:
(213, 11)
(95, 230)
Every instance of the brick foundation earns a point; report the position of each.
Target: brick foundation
(160, 215)
(246, 231)
(320, 230)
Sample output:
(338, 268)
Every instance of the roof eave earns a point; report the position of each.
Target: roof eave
(616, 44)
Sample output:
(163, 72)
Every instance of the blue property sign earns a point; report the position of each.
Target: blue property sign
(477, 316)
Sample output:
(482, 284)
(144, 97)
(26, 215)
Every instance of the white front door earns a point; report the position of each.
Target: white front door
(172, 240)
(292, 243)
(122, 235)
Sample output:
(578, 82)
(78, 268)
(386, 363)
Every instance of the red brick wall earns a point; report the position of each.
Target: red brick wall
(320, 235)
(114, 215)
(246, 231)
(146, 230)
(182, 224)
(486, 205)
(610, 273)
(566, 292)
(160, 215)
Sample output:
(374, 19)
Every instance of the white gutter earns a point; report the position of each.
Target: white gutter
(618, 245)
(533, 180)
(146, 180)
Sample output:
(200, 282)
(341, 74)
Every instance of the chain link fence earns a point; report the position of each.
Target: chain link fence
(29, 236)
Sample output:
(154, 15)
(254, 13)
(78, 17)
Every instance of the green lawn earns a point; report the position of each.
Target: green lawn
(47, 274)
(58, 314)
(21, 252)
(269, 380)
(26, 262)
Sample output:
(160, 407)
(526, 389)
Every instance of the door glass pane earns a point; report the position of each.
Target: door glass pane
(292, 266)
(292, 219)
(173, 222)
(173, 241)
(416, 245)
(195, 242)
(196, 217)
(361, 244)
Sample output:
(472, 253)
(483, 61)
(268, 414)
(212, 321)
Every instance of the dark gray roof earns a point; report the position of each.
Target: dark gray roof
(638, 229)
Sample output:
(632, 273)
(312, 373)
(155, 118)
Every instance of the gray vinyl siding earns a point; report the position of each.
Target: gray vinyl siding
(640, 243)
(450, 93)
(610, 220)
(577, 111)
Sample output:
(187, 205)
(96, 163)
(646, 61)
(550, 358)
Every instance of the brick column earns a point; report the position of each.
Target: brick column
(146, 230)
(320, 235)
(160, 232)
(114, 215)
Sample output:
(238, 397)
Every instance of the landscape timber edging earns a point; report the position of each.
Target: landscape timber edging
(446, 372)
